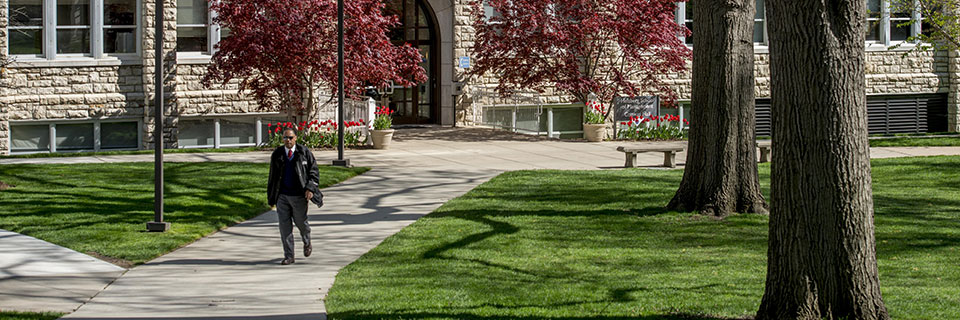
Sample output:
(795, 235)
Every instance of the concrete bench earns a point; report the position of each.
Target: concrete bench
(669, 154)
(764, 150)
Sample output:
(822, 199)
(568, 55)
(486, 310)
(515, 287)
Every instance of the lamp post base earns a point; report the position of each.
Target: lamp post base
(342, 163)
(158, 226)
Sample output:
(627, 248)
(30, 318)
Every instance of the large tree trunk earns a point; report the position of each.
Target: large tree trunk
(721, 169)
(821, 263)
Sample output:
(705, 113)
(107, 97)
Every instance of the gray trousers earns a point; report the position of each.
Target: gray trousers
(292, 210)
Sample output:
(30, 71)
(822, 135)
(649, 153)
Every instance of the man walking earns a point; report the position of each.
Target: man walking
(293, 173)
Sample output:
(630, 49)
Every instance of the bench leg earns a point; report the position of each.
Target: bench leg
(670, 159)
(764, 154)
(631, 160)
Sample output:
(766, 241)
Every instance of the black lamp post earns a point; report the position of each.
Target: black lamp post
(340, 160)
(157, 225)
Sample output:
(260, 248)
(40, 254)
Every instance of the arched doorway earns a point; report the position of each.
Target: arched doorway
(418, 27)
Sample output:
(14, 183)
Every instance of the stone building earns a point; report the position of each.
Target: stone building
(80, 74)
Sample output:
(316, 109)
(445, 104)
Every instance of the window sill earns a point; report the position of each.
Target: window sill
(75, 62)
(193, 59)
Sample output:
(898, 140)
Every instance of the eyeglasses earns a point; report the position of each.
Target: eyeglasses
(289, 137)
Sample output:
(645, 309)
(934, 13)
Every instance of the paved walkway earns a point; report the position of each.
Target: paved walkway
(234, 274)
(36, 275)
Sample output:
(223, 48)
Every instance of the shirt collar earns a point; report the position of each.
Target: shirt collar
(294, 149)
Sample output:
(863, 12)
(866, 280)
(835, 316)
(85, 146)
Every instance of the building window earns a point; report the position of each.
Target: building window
(196, 32)
(62, 136)
(760, 24)
(238, 131)
(71, 28)
(887, 27)
(120, 26)
(684, 16)
(25, 27)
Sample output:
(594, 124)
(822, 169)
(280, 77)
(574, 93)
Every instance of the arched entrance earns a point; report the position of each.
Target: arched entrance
(418, 27)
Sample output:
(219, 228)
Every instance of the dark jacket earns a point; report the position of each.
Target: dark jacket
(306, 169)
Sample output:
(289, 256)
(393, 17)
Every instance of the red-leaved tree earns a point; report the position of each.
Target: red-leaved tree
(284, 52)
(605, 47)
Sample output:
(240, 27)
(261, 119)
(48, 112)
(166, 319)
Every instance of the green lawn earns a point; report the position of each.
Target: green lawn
(14, 315)
(598, 245)
(103, 208)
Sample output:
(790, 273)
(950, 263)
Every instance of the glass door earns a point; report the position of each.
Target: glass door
(417, 104)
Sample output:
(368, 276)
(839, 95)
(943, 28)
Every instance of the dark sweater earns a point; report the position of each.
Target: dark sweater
(289, 183)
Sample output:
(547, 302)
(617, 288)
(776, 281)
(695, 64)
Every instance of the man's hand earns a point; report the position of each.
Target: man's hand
(309, 195)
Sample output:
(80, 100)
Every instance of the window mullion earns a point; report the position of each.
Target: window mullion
(96, 29)
(50, 29)
(885, 22)
(213, 32)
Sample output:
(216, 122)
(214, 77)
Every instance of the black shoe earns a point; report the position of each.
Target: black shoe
(307, 250)
(287, 261)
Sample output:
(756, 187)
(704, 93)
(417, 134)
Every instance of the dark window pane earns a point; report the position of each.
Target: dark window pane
(116, 135)
(192, 39)
(196, 133)
(873, 30)
(873, 8)
(74, 136)
(25, 13)
(120, 12)
(73, 12)
(224, 33)
(26, 41)
(238, 131)
(689, 39)
(30, 138)
(120, 40)
(73, 41)
(899, 33)
(758, 32)
(192, 12)
(760, 10)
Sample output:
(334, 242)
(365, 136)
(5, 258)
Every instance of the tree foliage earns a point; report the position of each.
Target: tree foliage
(939, 18)
(605, 47)
(285, 51)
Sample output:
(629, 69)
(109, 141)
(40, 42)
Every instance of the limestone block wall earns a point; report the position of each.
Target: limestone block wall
(148, 45)
(195, 99)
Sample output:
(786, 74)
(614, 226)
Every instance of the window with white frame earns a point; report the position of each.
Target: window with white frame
(760, 24)
(684, 16)
(82, 135)
(196, 32)
(224, 131)
(72, 28)
(886, 26)
(25, 30)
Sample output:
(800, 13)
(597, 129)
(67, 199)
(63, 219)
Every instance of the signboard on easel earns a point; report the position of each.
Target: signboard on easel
(624, 108)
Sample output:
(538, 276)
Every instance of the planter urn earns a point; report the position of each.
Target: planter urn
(594, 132)
(381, 138)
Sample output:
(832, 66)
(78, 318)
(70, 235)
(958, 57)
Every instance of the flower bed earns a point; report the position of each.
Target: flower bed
(317, 134)
(667, 127)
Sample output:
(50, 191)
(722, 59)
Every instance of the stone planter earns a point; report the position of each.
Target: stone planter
(594, 132)
(381, 138)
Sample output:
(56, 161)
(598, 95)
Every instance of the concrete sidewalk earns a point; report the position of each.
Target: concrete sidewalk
(36, 275)
(234, 274)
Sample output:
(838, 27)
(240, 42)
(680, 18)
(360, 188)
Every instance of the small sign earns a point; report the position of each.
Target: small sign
(464, 62)
(626, 107)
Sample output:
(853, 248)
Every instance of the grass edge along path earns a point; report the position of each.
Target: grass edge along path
(101, 209)
(18, 315)
(539, 245)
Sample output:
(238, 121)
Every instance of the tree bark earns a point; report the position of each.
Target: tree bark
(821, 261)
(721, 169)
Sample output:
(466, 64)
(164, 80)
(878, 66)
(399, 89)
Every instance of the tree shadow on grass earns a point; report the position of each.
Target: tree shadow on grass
(470, 316)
